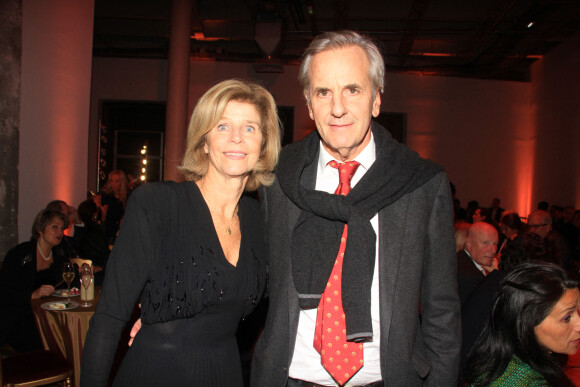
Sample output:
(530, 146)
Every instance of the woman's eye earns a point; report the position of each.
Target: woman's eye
(222, 127)
(249, 129)
(567, 318)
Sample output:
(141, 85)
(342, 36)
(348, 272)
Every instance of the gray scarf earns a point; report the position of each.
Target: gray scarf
(316, 235)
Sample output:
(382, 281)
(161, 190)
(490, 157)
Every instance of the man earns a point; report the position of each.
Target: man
(495, 211)
(540, 222)
(71, 244)
(399, 249)
(477, 258)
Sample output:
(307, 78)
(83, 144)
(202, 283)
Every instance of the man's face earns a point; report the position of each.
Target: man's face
(341, 102)
(481, 244)
(539, 225)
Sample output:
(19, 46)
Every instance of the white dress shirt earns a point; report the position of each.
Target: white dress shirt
(305, 363)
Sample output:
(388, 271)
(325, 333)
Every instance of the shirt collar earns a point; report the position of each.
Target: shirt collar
(366, 157)
(479, 267)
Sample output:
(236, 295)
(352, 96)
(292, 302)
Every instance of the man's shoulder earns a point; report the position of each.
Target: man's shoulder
(465, 264)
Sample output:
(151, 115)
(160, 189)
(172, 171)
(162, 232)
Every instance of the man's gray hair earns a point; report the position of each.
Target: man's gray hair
(341, 39)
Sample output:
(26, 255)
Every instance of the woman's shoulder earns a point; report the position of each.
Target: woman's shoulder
(21, 249)
(165, 190)
(519, 374)
(20, 254)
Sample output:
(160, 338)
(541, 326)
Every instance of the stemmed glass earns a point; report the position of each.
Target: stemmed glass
(86, 281)
(68, 274)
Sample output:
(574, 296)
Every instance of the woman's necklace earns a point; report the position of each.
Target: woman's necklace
(42, 254)
(210, 205)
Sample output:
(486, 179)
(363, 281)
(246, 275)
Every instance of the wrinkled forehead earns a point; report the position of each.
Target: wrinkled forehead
(486, 234)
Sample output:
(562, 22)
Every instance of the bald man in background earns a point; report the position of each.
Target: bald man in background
(477, 258)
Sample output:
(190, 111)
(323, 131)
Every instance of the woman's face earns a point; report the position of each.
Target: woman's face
(115, 182)
(560, 330)
(478, 216)
(53, 232)
(234, 144)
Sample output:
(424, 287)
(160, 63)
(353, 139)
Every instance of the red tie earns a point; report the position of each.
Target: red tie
(342, 359)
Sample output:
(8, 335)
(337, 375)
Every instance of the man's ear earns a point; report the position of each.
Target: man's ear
(308, 103)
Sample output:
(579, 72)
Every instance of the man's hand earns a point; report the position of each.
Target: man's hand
(134, 331)
(494, 265)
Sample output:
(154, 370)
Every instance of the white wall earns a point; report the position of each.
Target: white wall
(471, 127)
(474, 128)
(556, 101)
(57, 40)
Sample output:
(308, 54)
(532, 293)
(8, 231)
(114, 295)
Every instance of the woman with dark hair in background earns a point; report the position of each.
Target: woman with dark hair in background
(534, 317)
(511, 225)
(30, 271)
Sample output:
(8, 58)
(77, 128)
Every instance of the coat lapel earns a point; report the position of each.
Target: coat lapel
(392, 225)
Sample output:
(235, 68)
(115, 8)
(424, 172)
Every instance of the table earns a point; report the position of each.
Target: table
(64, 331)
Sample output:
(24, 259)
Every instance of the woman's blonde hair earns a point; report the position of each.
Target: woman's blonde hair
(209, 111)
(123, 190)
(461, 230)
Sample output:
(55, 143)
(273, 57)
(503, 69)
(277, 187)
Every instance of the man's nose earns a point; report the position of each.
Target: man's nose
(338, 106)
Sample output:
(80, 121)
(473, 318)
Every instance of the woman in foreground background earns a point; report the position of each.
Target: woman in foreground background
(192, 253)
(534, 317)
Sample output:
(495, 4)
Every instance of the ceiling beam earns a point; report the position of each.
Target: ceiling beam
(416, 15)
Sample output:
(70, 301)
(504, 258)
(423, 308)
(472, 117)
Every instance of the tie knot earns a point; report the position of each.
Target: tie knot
(345, 174)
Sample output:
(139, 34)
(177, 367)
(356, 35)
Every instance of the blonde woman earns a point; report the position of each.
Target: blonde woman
(192, 253)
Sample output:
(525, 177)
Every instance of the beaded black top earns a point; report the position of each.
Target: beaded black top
(192, 298)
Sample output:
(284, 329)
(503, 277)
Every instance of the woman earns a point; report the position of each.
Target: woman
(30, 271)
(461, 228)
(192, 253)
(511, 225)
(93, 244)
(534, 317)
(113, 201)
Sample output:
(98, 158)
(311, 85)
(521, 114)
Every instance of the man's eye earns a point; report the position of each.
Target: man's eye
(353, 91)
(323, 93)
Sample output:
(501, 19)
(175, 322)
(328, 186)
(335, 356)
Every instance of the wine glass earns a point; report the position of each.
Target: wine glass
(68, 274)
(86, 280)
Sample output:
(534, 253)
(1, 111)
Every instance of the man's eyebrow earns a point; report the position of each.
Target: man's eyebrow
(319, 89)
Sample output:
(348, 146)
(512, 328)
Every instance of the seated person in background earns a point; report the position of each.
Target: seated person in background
(534, 317)
(479, 215)
(94, 245)
(476, 259)
(510, 227)
(30, 271)
(74, 228)
(477, 308)
(461, 228)
(540, 222)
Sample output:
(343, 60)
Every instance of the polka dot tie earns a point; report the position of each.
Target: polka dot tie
(342, 359)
